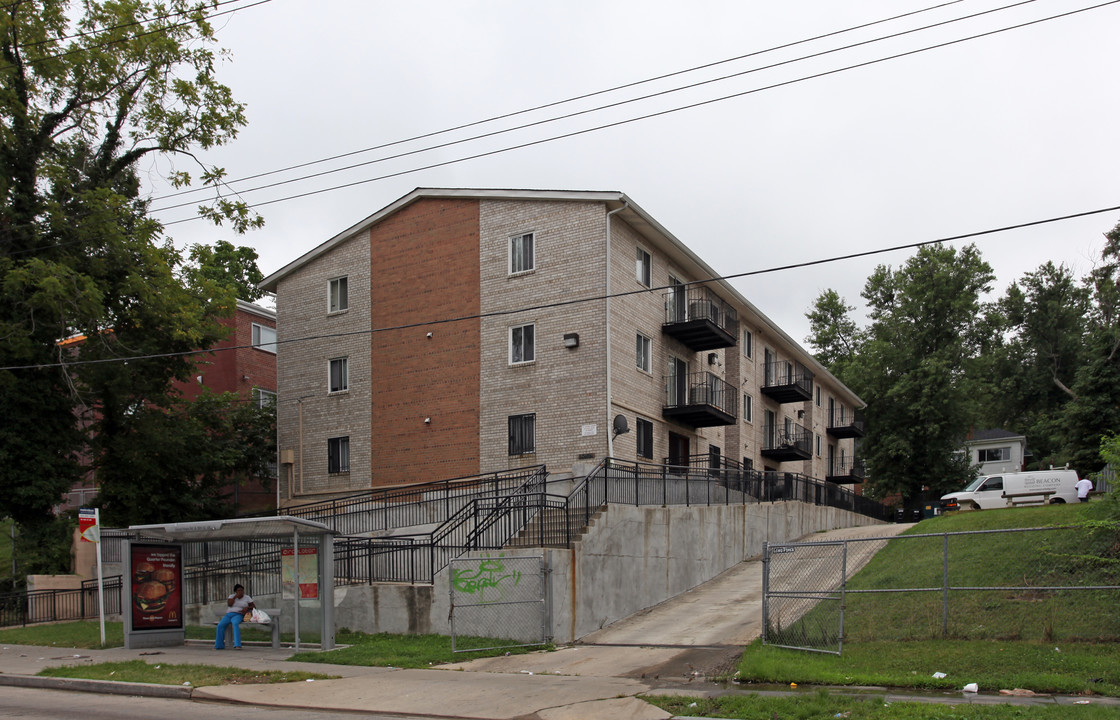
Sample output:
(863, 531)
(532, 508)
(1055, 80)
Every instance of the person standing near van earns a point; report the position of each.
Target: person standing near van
(1084, 485)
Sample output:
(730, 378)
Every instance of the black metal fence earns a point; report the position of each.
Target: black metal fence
(40, 606)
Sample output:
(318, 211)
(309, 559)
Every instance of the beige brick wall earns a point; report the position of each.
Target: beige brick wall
(564, 387)
(302, 372)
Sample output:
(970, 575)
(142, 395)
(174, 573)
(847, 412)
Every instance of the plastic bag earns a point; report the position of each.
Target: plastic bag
(259, 616)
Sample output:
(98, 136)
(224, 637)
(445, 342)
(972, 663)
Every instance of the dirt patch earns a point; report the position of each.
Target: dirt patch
(691, 665)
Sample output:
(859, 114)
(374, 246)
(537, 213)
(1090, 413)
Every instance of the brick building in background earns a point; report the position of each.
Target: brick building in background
(453, 337)
(248, 371)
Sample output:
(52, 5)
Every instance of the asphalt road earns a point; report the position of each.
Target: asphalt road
(67, 705)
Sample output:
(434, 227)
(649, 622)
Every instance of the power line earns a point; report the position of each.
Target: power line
(578, 301)
(608, 106)
(155, 31)
(660, 113)
(122, 26)
(562, 102)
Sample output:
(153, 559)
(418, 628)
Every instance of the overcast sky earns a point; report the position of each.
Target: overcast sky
(1001, 130)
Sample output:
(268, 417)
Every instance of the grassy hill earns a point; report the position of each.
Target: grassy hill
(1001, 584)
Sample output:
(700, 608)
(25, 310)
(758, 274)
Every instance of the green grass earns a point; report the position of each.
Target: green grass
(404, 651)
(1068, 668)
(139, 671)
(1034, 559)
(822, 704)
(385, 649)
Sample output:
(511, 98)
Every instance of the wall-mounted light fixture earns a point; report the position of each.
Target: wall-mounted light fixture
(427, 421)
(429, 336)
(800, 414)
(571, 340)
(713, 359)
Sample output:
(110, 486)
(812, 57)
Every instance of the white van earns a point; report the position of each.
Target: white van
(1037, 487)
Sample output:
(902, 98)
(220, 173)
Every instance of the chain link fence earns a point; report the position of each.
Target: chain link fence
(498, 602)
(981, 585)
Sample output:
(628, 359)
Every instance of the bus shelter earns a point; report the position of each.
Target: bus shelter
(155, 564)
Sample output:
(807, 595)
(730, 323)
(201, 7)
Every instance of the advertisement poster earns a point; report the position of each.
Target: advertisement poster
(308, 573)
(156, 580)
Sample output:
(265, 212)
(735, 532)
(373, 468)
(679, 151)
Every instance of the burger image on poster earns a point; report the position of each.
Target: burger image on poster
(165, 576)
(143, 572)
(151, 597)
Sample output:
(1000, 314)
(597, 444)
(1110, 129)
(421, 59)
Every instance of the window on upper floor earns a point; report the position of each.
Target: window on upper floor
(338, 296)
(521, 253)
(338, 454)
(818, 389)
(264, 338)
(644, 271)
(339, 375)
(748, 343)
(643, 353)
(748, 408)
(995, 454)
(522, 344)
(522, 434)
(264, 398)
(644, 433)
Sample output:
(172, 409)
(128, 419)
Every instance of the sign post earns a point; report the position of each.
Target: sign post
(89, 525)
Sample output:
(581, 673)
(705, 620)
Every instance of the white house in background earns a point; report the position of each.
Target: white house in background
(996, 451)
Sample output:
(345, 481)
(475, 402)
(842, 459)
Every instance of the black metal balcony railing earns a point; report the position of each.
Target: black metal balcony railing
(787, 443)
(845, 471)
(700, 319)
(700, 399)
(844, 423)
(787, 382)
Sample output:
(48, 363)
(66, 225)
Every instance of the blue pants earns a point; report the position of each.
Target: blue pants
(229, 617)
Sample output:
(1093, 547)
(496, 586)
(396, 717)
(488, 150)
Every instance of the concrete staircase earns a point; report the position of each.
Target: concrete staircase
(550, 522)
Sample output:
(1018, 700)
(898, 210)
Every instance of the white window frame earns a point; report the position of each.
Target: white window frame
(260, 341)
(338, 295)
(264, 398)
(643, 425)
(344, 378)
(748, 408)
(643, 267)
(518, 265)
(528, 350)
(818, 389)
(748, 344)
(643, 353)
(339, 446)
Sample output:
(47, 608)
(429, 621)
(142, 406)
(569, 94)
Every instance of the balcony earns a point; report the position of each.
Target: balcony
(787, 382)
(843, 423)
(787, 444)
(700, 400)
(845, 472)
(700, 319)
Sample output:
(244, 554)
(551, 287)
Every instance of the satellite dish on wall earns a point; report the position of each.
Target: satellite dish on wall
(620, 426)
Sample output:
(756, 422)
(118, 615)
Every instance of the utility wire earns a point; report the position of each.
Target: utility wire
(155, 31)
(578, 301)
(122, 26)
(561, 102)
(669, 111)
(619, 103)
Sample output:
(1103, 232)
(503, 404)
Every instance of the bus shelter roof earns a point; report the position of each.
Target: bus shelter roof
(278, 526)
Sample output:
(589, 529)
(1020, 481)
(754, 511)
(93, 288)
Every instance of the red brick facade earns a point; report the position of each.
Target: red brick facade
(425, 266)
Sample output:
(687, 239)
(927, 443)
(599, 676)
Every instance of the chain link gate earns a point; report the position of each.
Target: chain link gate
(803, 595)
(498, 602)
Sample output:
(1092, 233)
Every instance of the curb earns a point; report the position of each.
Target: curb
(107, 687)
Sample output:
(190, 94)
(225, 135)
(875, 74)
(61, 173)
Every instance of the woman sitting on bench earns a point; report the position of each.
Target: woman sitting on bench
(240, 605)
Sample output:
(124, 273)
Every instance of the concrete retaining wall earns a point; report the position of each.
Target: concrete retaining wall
(630, 559)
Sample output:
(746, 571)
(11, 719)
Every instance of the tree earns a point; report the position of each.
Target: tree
(927, 328)
(836, 337)
(175, 465)
(228, 266)
(87, 92)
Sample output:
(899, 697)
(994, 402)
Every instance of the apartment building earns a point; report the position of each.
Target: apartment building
(461, 331)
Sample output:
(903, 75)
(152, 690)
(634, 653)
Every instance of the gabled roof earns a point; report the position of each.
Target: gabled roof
(628, 210)
(993, 434)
